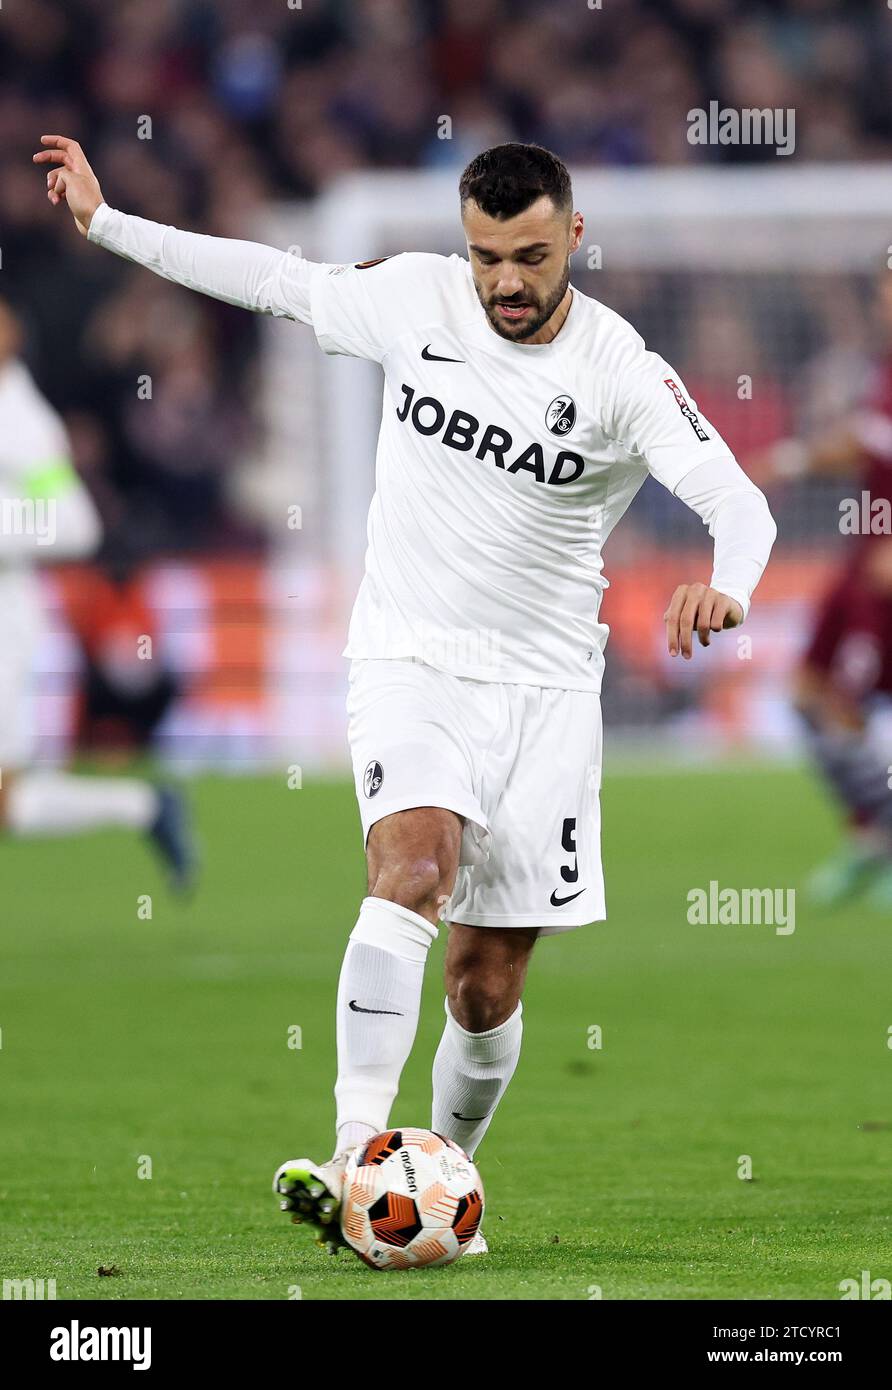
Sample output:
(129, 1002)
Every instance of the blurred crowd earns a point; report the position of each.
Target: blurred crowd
(252, 102)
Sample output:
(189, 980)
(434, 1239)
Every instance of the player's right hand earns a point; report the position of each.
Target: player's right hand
(73, 182)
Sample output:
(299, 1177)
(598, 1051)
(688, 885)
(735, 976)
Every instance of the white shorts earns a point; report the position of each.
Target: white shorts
(520, 763)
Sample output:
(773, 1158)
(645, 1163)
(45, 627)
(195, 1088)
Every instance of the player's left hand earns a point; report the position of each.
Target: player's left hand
(697, 606)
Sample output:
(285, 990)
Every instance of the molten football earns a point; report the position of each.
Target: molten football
(410, 1199)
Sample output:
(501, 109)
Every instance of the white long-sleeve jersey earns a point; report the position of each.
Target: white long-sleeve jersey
(501, 468)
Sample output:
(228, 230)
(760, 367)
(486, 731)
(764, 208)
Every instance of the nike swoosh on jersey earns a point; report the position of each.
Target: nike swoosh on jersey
(559, 902)
(357, 1009)
(433, 357)
(469, 1118)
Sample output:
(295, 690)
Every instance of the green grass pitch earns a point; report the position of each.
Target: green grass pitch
(614, 1169)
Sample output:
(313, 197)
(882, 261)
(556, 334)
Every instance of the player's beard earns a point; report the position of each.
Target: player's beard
(537, 320)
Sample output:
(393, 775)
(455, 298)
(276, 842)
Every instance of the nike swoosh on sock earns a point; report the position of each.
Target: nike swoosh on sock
(357, 1009)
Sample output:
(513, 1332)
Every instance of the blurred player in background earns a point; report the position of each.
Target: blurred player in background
(47, 515)
(846, 670)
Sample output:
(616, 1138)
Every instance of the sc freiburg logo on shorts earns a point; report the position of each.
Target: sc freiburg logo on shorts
(560, 417)
(372, 779)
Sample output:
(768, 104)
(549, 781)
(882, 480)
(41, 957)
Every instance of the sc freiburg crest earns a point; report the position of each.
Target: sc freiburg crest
(560, 417)
(372, 779)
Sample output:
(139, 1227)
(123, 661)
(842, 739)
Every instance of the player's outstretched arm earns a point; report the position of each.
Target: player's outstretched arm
(244, 273)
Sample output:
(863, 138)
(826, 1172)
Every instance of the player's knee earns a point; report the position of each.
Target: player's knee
(414, 883)
(478, 1001)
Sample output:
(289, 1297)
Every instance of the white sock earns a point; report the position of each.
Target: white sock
(471, 1074)
(60, 803)
(381, 977)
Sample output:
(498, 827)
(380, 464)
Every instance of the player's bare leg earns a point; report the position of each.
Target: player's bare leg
(412, 863)
(485, 972)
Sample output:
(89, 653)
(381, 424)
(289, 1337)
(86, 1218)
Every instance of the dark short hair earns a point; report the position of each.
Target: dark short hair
(509, 178)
